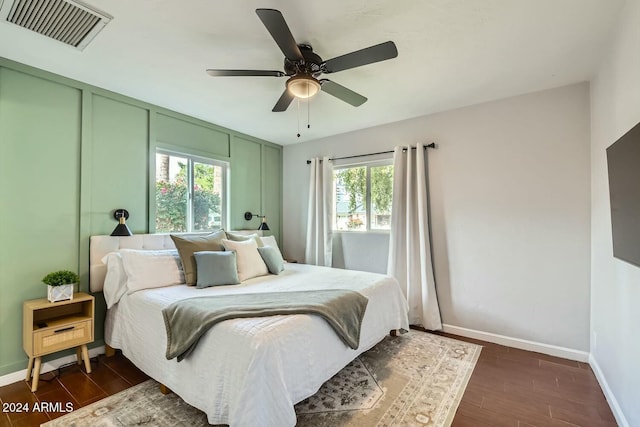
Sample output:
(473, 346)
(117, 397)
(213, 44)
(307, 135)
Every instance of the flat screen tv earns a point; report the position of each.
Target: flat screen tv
(623, 161)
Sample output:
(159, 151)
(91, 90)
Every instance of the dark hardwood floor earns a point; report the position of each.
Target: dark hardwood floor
(109, 376)
(509, 387)
(517, 388)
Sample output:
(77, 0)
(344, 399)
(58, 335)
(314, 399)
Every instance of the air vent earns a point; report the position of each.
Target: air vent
(70, 22)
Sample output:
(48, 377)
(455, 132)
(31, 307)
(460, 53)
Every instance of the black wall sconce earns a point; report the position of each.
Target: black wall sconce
(122, 229)
(263, 225)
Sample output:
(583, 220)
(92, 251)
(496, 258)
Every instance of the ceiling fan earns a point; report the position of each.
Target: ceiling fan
(304, 67)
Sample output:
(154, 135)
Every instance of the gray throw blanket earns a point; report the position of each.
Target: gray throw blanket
(187, 320)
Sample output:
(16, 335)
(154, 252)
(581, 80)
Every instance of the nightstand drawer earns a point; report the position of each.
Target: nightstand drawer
(66, 336)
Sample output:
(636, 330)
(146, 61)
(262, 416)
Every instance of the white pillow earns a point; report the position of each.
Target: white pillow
(241, 237)
(270, 241)
(250, 263)
(151, 269)
(115, 281)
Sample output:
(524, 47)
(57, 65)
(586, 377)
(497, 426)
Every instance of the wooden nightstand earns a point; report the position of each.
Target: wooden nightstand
(48, 327)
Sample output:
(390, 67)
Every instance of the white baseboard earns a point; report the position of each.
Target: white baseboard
(49, 366)
(613, 402)
(552, 350)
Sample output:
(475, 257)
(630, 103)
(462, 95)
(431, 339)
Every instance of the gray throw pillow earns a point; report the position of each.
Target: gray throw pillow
(216, 268)
(187, 245)
(272, 258)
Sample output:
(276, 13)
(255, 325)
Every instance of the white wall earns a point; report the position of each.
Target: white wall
(510, 211)
(361, 251)
(615, 285)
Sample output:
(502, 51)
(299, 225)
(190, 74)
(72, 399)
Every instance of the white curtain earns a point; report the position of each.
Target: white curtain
(319, 238)
(410, 247)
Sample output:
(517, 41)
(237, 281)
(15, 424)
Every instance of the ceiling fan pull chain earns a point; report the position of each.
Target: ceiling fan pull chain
(308, 114)
(298, 103)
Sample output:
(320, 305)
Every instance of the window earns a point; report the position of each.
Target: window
(362, 197)
(190, 193)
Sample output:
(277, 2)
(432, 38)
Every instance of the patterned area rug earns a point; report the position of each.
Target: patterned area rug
(416, 379)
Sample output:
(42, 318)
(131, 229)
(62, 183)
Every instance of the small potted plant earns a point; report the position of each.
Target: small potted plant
(60, 285)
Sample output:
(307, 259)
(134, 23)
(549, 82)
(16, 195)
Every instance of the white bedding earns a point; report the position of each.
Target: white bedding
(250, 372)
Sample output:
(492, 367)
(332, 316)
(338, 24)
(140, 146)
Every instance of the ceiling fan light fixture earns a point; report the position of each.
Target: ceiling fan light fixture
(303, 86)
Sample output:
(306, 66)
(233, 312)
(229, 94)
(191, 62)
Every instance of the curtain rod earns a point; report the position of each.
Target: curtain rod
(432, 145)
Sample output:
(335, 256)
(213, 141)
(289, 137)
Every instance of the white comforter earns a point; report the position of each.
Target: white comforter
(250, 372)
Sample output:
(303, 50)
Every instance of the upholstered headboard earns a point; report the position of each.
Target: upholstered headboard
(102, 245)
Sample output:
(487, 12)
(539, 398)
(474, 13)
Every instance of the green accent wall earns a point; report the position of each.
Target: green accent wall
(70, 154)
(189, 134)
(247, 178)
(271, 187)
(119, 162)
(39, 203)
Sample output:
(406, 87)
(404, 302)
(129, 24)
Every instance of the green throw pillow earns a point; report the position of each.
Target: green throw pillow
(187, 245)
(216, 268)
(272, 258)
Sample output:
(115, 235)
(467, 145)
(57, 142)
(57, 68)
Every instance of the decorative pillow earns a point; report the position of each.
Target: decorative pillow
(187, 245)
(272, 258)
(115, 282)
(237, 237)
(216, 268)
(271, 241)
(250, 263)
(151, 269)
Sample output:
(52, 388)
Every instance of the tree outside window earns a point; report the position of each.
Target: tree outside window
(181, 206)
(363, 196)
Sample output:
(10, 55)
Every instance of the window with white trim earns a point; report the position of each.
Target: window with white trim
(190, 193)
(362, 197)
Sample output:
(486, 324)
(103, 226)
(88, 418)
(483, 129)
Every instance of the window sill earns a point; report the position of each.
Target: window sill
(361, 231)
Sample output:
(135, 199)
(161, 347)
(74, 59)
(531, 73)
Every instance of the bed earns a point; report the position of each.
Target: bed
(251, 371)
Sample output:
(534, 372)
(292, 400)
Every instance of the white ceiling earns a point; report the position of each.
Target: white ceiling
(452, 53)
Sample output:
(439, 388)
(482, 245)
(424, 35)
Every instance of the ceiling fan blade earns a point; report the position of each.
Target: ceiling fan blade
(279, 30)
(342, 93)
(283, 102)
(369, 55)
(226, 73)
